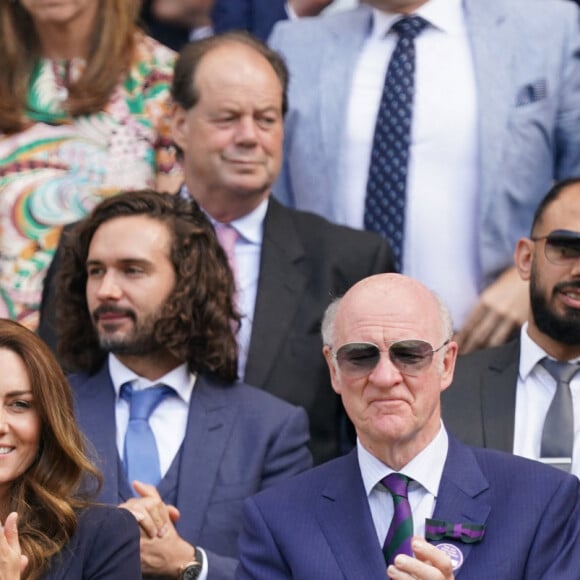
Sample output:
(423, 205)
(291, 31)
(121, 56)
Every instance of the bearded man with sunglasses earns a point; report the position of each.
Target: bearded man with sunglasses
(505, 397)
(410, 501)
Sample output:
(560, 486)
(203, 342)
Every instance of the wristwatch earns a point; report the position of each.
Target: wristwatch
(192, 570)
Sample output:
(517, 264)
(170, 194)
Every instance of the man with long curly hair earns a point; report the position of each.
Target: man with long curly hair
(146, 306)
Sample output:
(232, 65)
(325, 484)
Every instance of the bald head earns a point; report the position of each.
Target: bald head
(389, 294)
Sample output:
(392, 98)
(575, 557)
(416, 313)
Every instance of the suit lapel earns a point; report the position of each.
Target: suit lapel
(95, 406)
(344, 516)
(281, 285)
(210, 421)
(337, 65)
(491, 39)
(498, 397)
(462, 496)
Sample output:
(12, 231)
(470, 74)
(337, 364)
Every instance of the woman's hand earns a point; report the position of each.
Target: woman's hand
(12, 561)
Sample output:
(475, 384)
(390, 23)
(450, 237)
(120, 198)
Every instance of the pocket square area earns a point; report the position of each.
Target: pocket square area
(531, 93)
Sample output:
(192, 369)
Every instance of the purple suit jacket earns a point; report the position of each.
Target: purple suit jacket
(318, 525)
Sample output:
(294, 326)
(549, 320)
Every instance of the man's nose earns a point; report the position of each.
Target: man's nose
(246, 131)
(385, 372)
(109, 287)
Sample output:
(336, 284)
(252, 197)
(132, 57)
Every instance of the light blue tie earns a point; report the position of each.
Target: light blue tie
(141, 456)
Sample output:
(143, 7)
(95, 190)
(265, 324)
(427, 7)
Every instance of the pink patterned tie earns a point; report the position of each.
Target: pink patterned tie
(227, 237)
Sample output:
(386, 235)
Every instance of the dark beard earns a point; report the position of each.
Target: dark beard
(140, 342)
(564, 329)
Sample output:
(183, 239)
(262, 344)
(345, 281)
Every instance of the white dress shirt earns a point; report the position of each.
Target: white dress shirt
(440, 244)
(425, 469)
(535, 391)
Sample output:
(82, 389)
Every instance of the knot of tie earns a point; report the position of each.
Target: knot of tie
(142, 403)
(397, 484)
(562, 372)
(409, 26)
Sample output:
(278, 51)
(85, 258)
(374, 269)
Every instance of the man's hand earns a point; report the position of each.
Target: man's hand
(12, 561)
(429, 563)
(163, 550)
(502, 308)
(308, 7)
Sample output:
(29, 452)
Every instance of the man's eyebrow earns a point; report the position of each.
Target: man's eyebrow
(123, 261)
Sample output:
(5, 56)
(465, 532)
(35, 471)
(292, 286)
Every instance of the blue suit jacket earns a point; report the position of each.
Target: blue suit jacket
(105, 546)
(528, 82)
(318, 525)
(255, 16)
(239, 440)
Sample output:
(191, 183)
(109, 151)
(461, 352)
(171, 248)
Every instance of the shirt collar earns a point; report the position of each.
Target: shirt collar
(250, 226)
(444, 15)
(180, 379)
(531, 353)
(425, 468)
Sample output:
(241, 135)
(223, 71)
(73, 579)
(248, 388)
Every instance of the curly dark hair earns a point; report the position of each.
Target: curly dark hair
(48, 495)
(199, 320)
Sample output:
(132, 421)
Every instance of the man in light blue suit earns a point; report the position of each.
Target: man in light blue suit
(147, 305)
(496, 118)
(463, 512)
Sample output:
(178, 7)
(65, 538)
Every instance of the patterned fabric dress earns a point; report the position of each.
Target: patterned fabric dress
(57, 170)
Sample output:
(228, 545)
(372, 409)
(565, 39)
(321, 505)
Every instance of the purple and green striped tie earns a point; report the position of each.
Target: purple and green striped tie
(398, 540)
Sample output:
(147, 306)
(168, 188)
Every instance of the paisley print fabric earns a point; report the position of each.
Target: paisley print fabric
(58, 169)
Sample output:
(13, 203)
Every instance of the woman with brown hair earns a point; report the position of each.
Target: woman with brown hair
(84, 104)
(51, 528)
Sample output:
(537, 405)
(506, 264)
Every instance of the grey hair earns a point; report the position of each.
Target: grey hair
(327, 328)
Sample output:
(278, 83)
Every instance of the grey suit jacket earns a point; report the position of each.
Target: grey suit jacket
(527, 62)
(480, 405)
(238, 441)
(306, 261)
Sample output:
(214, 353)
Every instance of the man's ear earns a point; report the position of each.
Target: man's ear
(327, 352)
(449, 359)
(523, 257)
(179, 126)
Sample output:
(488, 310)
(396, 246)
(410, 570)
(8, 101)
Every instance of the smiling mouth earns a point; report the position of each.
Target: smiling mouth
(6, 450)
(571, 293)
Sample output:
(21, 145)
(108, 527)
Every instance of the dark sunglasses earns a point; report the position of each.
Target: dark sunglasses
(410, 357)
(561, 247)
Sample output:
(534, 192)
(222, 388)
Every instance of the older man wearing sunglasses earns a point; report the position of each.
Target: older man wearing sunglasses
(524, 397)
(410, 501)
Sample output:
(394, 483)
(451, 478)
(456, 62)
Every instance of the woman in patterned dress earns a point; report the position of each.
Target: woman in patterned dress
(84, 105)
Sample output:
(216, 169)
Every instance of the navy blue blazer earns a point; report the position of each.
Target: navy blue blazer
(239, 440)
(105, 546)
(319, 525)
(256, 16)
